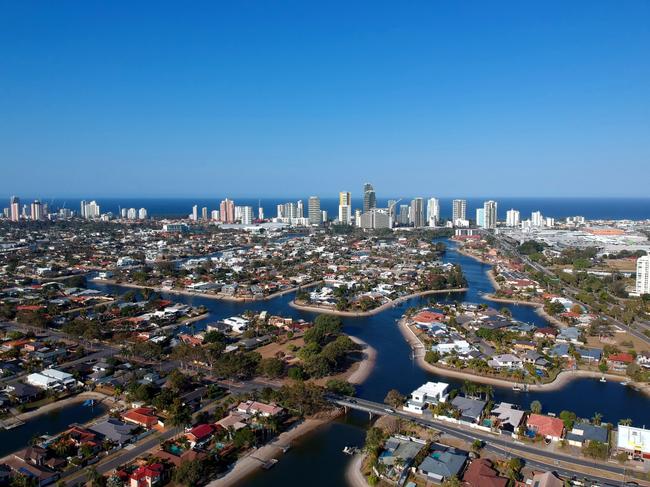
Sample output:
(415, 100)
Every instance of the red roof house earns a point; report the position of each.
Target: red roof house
(481, 474)
(147, 475)
(546, 426)
(200, 432)
(141, 416)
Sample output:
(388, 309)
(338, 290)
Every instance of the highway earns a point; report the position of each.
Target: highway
(504, 444)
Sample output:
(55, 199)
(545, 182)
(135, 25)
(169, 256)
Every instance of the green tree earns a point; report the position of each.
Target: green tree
(536, 407)
(394, 398)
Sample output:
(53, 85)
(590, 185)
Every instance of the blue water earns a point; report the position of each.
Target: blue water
(593, 208)
(319, 456)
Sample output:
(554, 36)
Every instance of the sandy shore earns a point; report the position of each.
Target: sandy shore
(353, 473)
(61, 404)
(379, 309)
(256, 458)
(562, 379)
(220, 297)
(366, 365)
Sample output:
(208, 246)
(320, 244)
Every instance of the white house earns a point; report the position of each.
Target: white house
(51, 379)
(429, 393)
(505, 361)
(460, 346)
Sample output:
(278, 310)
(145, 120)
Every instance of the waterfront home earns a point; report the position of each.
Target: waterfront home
(505, 361)
(535, 358)
(114, 430)
(582, 433)
(143, 416)
(481, 473)
(52, 379)
(470, 409)
(30, 462)
(459, 345)
(236, 421)
(507, 417)
(635, 441)
(546, 426)
(23, 393)
(546, 333)
(643, 359)
(147, 475)
(402, 447)
(442, 463)
(429, 393)
(427, 317)
(619, 361)
(259, 408)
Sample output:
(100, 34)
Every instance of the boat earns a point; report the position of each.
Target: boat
(516, 388)
(602, 379)
(89, 402)
(270, 464)
(286, 448)
(350, 450)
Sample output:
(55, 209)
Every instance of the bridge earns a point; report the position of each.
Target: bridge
(502, 444)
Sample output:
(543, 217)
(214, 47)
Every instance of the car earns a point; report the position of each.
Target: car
(389, 410)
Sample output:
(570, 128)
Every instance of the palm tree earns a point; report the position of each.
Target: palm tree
(625, 422)
(597, 419)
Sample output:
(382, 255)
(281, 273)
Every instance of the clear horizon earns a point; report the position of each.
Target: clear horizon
(157, 100)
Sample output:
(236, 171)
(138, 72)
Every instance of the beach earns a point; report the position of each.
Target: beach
(374, 311)
(366, 365)
(353, 473)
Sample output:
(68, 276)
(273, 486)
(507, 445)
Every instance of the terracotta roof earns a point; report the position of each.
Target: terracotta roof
(143, 416)
(546, 425)
(621, 357)
(481, 474)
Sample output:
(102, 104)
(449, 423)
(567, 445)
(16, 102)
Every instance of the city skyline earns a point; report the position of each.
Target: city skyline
(234, 98)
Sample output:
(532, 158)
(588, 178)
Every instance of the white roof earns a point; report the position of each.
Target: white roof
(56, 374)
(636, 439)
(433, 389)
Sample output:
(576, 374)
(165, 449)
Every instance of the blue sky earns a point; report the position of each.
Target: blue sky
(275, 98)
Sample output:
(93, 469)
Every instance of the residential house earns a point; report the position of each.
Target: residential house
(619, 361)
(546, 426)
(442, 463)
(114, 430)
(546, 479)
(505, 361)
(634, 440)
(470, 409)
(582, 433)
(507, 417)
(200, 433)
(481, 473)
(147, 475)
(429, 393)
(144, 417)
(259, 408)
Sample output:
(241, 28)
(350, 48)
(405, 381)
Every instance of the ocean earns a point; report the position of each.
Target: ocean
(591, 208)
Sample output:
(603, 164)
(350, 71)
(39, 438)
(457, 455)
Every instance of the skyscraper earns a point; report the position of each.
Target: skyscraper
(132, 214)
(142, 214)
(345, 208)
(82, 208)
(300, 210)
(247, 215)
(36, 212)
(403, 218)
(433, 212)
(459, 210)
(512, 218)
(204, 213)
(315, 214)
(194, 216)
(490, 214)
(417, 212)
(369, 197)
(480, 217)
(375, 218)
(227, 211)
(643, 275)
(537, 219)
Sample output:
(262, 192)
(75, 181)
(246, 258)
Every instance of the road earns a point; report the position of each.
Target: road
(567, 289)
(502, 444)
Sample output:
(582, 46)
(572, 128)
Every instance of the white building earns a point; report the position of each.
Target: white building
(433, 211)
(142, 214)
(459, 211)
(132, 214)
(429, 393)
(643, 275)
(537, 219)
(51, 379)
(247, 215)
(214, 215)
(634, 440)
(490, 214)
(512, 218)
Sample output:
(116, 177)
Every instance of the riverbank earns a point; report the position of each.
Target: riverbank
(255, 459)
(562, 379)
(219, 297)
(353, 473)
(374, 311)
(460, 250)
(366, 365)
(54, 406)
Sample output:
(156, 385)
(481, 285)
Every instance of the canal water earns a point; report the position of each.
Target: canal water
(317, 458)
(50, 423)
